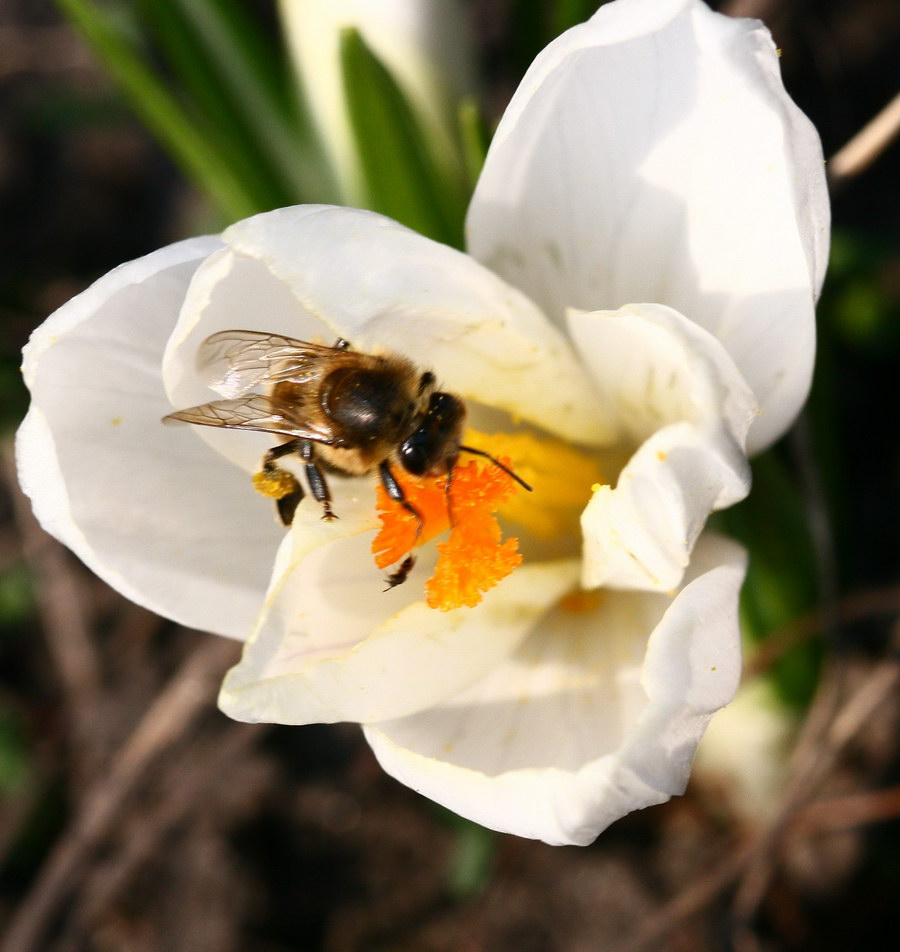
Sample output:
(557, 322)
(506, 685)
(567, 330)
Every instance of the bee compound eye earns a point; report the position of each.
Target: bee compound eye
(414, 455)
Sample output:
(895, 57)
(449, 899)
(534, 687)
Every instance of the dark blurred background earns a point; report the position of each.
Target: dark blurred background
(136, 818)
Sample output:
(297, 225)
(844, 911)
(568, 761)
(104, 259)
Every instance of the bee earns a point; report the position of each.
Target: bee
(339, 410)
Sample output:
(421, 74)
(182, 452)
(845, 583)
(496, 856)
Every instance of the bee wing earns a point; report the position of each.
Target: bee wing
(234, 362)
(254, 412)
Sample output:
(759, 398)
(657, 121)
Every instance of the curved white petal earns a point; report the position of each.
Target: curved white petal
(676, 394)
(231, 291)
(332, 645)
(150, 509)
(589, 720)
(652, 154)
(361, 276)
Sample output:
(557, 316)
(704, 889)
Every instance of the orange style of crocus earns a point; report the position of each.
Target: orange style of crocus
(473, 559)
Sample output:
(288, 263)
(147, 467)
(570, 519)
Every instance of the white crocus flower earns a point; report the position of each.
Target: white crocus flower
(646, 244)
(424, 44)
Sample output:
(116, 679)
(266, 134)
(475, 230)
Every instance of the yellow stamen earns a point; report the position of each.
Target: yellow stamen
(473, 559)
(274, 483)
(561, 476)
(471, 562)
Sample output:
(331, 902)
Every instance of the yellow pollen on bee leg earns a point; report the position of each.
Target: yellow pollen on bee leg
(274, 483)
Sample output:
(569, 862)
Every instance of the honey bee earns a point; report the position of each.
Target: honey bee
(339, 410)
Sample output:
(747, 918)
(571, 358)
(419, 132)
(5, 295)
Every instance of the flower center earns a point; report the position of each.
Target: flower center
(562, 476)
(474, 557)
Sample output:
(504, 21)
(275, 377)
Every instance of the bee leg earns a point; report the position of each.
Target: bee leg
(279, 484)
(283, 449)
(287, 506)
(395, 491)
(402, 573)
(316, 479)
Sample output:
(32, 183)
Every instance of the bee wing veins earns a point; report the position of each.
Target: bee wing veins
(233, 362)
(256, 412)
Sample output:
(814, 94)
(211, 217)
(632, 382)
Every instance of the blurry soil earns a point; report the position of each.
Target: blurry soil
(134, 817)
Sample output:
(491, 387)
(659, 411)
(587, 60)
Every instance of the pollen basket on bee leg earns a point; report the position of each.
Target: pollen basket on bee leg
(275, 483)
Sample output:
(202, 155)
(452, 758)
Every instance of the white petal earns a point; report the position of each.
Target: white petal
(673, 386)
(231, 291)
(652, 154)
(332, 645)
(379, 285)
(589, 720)
(149, 508)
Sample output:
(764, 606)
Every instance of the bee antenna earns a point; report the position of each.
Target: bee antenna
(498, 464)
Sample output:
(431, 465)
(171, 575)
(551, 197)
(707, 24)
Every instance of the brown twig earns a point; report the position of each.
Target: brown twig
(828, 731)
(865, 147)
(689, 902)
(188, 693)
(842, 813)
(188, 778)
(853, 608)
(62, 610)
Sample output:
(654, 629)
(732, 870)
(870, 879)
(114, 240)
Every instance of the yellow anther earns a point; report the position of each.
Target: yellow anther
(560, 475)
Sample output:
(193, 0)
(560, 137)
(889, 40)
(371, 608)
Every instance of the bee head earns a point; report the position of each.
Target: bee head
(433, 447)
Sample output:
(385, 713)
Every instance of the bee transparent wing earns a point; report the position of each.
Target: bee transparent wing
(234, 362)
(255, 412)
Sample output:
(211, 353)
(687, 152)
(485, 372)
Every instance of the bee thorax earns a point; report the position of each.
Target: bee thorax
(367, 405)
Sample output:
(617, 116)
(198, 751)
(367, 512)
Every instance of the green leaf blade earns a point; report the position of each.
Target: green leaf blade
(195, 152)
(400, 177)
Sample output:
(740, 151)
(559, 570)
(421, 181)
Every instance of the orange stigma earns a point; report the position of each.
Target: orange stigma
(473, 559)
